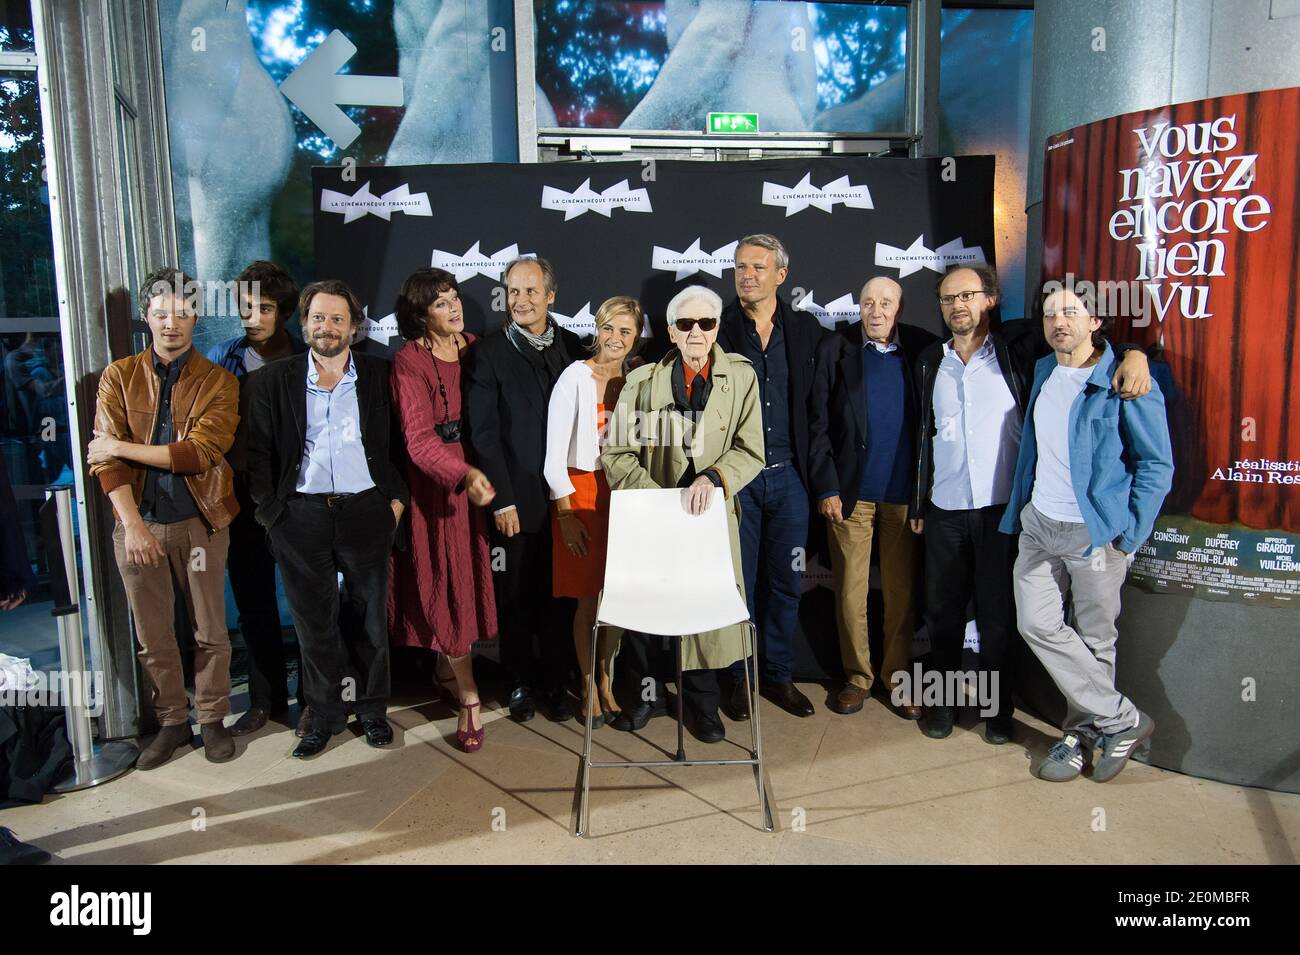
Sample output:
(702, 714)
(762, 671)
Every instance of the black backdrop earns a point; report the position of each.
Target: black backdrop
(602, 238)
(606, 226)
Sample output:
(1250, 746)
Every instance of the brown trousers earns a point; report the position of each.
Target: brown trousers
(197, 562)
(850, 543)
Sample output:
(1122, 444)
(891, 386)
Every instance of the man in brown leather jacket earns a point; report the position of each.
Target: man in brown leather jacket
(164, 420)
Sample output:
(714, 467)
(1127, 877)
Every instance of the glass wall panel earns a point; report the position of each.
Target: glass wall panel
(986, 67)
(649, 64)
(34, 440)
(242, 151)
(16, 34)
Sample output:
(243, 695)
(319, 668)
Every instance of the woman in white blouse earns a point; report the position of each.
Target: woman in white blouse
(584, 395)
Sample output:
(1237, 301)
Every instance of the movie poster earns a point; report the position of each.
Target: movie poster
(1182, 223)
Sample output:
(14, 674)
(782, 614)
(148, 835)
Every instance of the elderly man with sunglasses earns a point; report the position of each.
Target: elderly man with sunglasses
(655, 442)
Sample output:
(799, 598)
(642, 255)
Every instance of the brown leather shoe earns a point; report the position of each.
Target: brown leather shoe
(160, 749)
(849, 699)
(250, 722)
(304, 723)
(908, 712)
(218, 744)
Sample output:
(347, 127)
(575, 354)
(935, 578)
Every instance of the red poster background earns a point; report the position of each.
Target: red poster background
(1239, 363)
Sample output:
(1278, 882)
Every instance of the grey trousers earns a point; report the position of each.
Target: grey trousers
(1057, 558)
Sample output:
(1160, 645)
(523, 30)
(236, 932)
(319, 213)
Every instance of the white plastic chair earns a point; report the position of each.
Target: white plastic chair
(652, 587)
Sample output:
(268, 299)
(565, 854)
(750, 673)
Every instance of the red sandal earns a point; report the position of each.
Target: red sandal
(471, 741)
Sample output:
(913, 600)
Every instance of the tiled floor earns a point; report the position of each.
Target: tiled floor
(863, 788)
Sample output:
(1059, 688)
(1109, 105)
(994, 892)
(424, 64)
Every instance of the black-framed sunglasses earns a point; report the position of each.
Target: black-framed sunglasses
(686, 324)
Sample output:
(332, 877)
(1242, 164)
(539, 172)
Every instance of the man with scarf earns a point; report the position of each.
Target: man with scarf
(509, 377)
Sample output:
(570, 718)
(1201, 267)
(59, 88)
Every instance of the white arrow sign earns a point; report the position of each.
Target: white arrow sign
(317, 88)
(814, 576)
(474, 262)
(583, 323)
(694, 259)
(842, 309)
(805, 194)
(379, 330)
(585, 199)
(363, 202)
(916, 256)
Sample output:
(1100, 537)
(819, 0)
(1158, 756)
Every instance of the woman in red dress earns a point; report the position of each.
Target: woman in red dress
(441, 594)
(575, 423)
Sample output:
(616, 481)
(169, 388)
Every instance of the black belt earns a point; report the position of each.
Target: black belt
(337, 500)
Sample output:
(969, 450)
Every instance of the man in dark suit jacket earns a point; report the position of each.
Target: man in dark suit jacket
(509, 377)
(781, 343)
(331, 498)
(863, 422)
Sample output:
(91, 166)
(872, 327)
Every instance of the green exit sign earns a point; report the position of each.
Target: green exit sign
(732, 123)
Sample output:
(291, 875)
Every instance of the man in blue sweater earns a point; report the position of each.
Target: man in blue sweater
(862, 457)
(1090, 479)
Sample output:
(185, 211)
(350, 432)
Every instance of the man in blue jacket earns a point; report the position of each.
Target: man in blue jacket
(268, 296)
(1090, 479)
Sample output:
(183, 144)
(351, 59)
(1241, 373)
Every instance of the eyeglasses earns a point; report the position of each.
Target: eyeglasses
(963, 297)
(706, 324)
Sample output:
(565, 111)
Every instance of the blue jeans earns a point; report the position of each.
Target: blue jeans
(773, 524)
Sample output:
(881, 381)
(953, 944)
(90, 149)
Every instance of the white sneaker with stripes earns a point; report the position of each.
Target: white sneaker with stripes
(1064, 762)
(1116, 748)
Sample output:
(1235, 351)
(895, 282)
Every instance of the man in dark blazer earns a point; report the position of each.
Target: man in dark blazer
(781, 343)
(330, 496)
(509, 377)
(863, 423)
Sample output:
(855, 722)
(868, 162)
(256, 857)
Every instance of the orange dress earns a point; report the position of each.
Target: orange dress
(574, 576)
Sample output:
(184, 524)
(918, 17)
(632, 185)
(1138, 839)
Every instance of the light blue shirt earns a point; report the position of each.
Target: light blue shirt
(977, 431)
(334, 459)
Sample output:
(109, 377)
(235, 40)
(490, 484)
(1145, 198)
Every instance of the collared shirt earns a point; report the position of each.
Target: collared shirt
(977, 431)
(887, 347)
(334, 459)
(693, 379)
(773, 371)
(690, 374)
(165, 498)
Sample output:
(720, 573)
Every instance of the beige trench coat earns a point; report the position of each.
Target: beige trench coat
(644, 450)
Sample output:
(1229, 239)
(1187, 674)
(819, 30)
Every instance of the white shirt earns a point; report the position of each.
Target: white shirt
(252, 360)
(887, 347)
(977, 435)
(1053, 493)
(572, 436)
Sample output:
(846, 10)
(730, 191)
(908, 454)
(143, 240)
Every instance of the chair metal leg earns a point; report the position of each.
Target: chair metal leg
(681, 697)
(582, 795)
(582, 821)
(761, 781)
